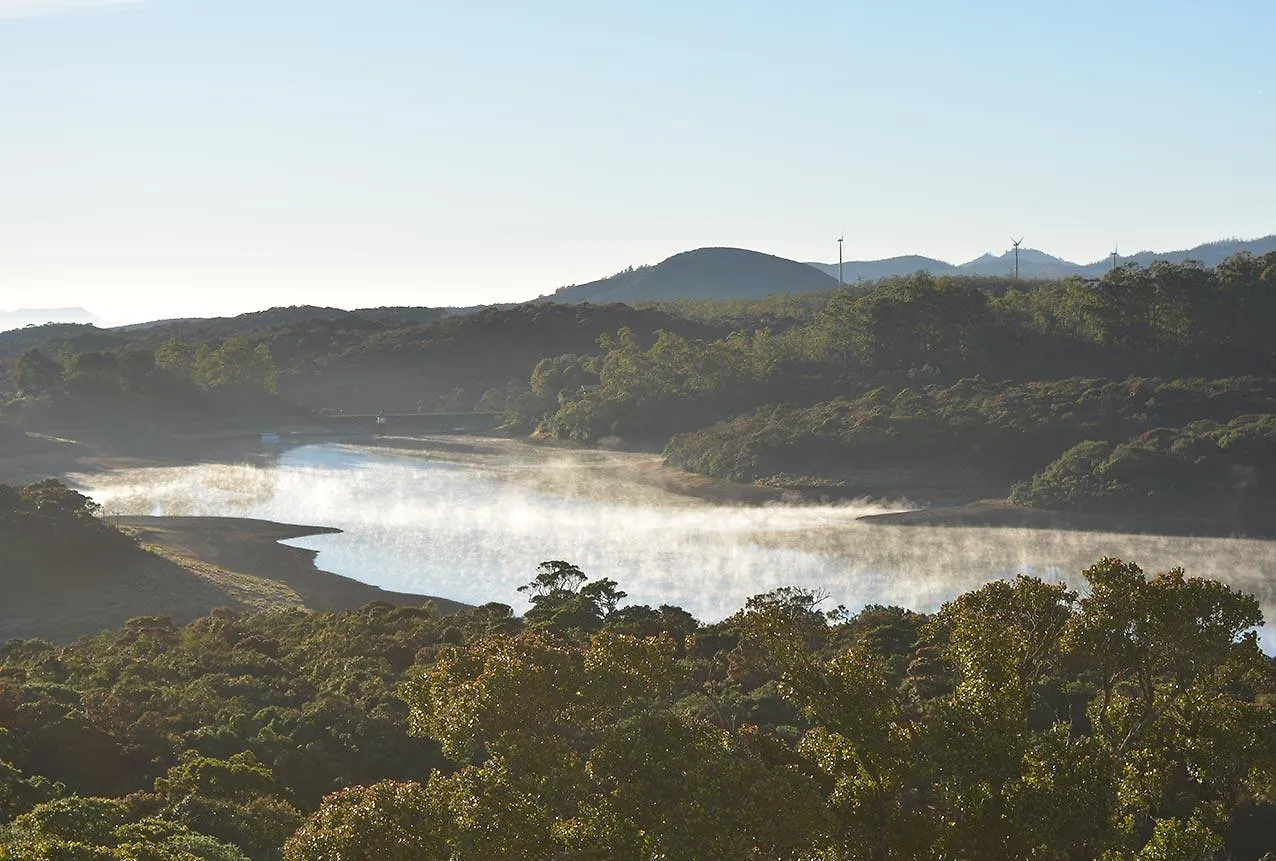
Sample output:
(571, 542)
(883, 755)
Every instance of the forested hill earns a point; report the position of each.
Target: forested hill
(1209, 255)
(706, 273)
(954, 389)
(393, 359)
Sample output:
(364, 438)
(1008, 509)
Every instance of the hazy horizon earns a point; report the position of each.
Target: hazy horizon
(393, 153)
(358, 300)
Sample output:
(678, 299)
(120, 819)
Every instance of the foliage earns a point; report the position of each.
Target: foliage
(34, 372)
(1021, 721)
(230, 727)
(94, 829)
(134, 386)
(1002, 430)
(1067, 731)
(974, 384)
(563, 601)
(1205, 469)
(1169, 319)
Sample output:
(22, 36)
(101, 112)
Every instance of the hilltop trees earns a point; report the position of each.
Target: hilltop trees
(233, 364)
(910, 324)
(1169, 320)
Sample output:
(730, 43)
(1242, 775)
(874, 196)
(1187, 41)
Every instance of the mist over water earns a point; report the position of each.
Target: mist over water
(471, 520)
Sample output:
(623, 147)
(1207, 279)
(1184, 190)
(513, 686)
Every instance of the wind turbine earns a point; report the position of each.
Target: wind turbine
(839, 261)
(1114, 255)
(1015, 243)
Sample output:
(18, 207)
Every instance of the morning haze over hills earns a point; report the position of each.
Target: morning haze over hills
(1039, 264)
(457, 432)
(738, 273)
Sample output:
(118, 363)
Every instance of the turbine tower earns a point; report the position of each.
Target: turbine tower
(839, 261)
(1015, 243)
(1114, 255)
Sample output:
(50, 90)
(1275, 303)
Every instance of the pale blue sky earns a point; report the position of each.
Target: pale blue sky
(166, 157)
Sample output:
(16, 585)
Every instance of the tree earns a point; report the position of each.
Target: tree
(910, 324)
(855, 740)
(34, 372)
(571, 754)
(387, 821)
(1003, 641)
(492, 401)
(562, 600)
(53, 497)
(19, 793)
(99, 829)
(234, 364)
(562, 375)
(1165, 654)
(177, 356)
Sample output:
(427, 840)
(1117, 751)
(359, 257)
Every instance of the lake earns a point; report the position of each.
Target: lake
(470, 519)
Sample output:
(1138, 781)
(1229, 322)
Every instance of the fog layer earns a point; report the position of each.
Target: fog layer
(472, 521)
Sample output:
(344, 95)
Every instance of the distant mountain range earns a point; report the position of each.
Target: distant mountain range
(39, 316)
(1038, 264)
(737, 273)
(706, 273)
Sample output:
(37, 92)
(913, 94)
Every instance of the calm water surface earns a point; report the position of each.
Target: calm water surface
(470, 520)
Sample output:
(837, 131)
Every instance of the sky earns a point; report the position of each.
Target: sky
(167, 158)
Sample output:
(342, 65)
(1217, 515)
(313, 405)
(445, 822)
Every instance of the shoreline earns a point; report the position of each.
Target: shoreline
(192, 565)
(1001, 514)
(251, 548)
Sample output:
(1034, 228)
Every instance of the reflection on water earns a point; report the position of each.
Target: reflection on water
(471, 522)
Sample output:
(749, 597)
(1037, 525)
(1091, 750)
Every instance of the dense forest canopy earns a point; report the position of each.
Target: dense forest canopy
(351, 361)
(1202, 469)
(1004, 430)
(1020, 721)
(174, 383)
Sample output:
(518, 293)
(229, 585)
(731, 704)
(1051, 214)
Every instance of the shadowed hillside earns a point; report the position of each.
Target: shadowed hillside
(706, 273)
(66, 572)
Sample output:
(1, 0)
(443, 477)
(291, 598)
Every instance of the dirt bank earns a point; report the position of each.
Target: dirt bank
(250, 551)
(185, 567)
